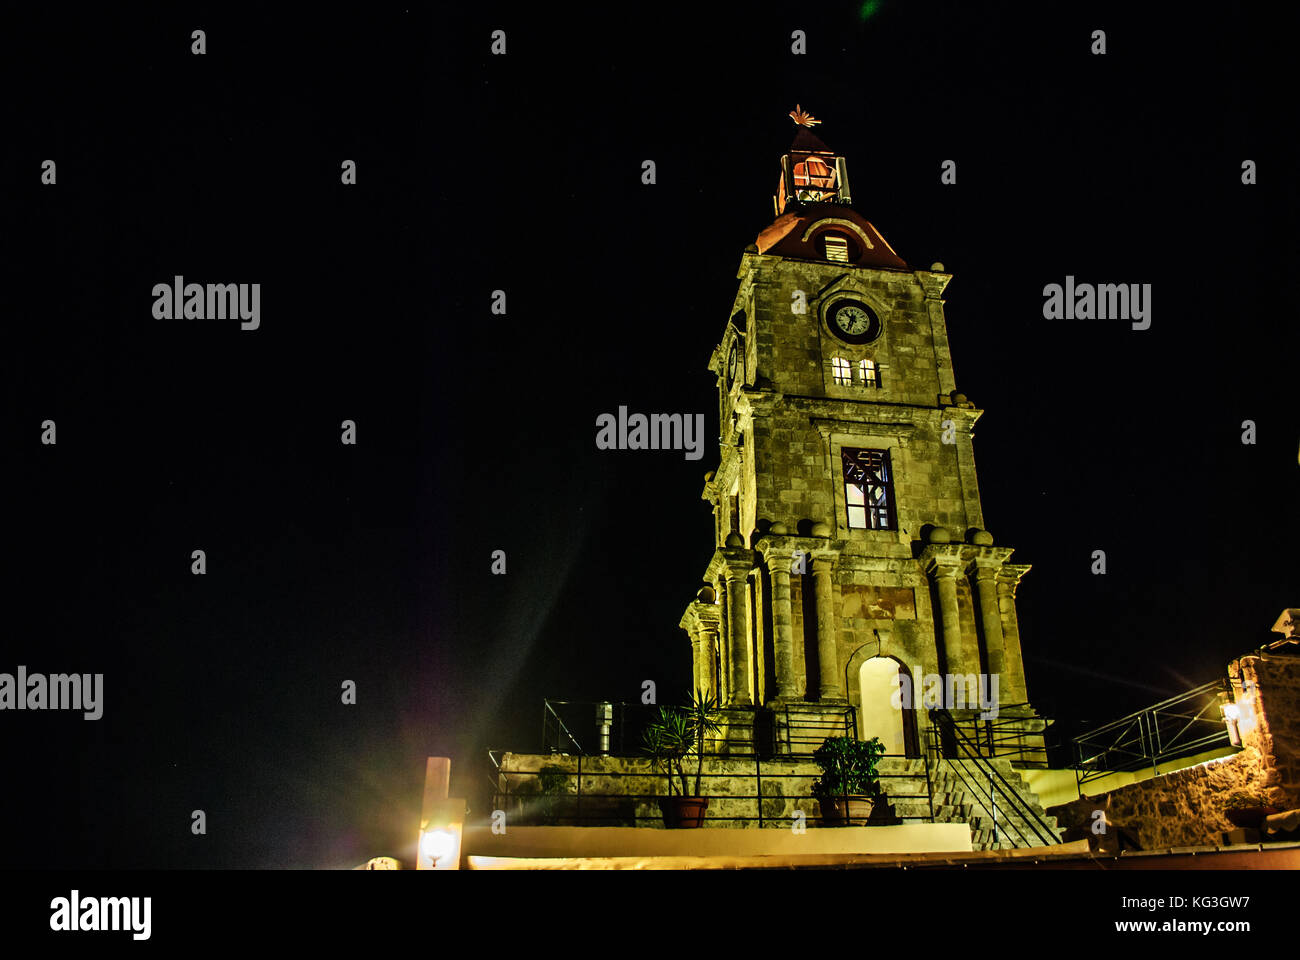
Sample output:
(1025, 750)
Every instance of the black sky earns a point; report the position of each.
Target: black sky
(476, 432)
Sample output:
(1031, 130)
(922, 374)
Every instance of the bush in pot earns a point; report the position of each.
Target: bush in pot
(849, 785)
(1249, 809)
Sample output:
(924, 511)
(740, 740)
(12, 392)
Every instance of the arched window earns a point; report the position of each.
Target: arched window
(841, 372)
(870, 373)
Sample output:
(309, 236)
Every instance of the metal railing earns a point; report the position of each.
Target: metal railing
(1006, 737)
(575, 727)
(1012, 817)
(1186, 724)
(802, 735)
(588, 791)
(557, 737)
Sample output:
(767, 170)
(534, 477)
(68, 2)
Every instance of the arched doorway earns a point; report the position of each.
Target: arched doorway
(883, 713)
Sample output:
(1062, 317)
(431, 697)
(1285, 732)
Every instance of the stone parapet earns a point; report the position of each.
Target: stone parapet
(624, 791)
(1188, 807)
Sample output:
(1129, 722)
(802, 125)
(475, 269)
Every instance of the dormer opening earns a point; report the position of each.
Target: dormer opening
(835, 247)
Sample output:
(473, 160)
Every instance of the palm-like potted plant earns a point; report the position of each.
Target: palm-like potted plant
(849, 785)
(672, 738)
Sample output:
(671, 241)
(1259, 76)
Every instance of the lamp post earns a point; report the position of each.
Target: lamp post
(442, 820)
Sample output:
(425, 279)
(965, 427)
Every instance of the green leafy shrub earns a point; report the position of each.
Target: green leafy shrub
(848, 767)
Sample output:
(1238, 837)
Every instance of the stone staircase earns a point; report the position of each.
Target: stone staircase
(995, 824)
(622, 791)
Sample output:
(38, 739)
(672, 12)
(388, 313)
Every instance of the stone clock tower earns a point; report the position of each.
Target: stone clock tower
(851, 557)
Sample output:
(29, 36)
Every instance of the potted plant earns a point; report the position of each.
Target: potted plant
(672, 738)
(1249, 810)
(849, 785)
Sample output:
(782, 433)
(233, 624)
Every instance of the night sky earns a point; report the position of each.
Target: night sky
(475, 432)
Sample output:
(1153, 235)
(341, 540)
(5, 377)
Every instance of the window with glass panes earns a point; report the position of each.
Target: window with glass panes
(868, 489)
(870, 373)
(841, 372)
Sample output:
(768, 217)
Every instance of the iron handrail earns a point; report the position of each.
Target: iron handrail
(1004, 736)
(845, 724)
(946, 724)
(800, 736)
(548, 708)
(1139, 738)
(580, 795)
(989, 799)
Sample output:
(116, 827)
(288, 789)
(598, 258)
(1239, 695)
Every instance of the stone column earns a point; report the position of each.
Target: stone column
(738, 682)
(697, 660)
(700, 621)
(985, 573)
(1014, 680)
(709, 644)
(945, 578)
(693, 624)
(723, 646)
(830, 687)
(778, 566)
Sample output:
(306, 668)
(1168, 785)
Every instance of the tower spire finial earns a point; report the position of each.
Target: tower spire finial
(802, 117)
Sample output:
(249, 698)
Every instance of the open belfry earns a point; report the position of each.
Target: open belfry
(853, 583)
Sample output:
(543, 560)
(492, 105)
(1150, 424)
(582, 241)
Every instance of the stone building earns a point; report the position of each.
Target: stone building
(849, 535)
(851, 569)
(1190, 807)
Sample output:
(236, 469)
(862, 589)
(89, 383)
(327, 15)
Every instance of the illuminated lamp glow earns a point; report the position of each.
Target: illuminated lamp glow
(436, 844)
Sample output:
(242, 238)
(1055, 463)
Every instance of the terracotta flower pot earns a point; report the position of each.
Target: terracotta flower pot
(857, 814)
(1251, 818)
(683, 812)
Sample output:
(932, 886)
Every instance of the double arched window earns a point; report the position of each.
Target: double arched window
(868, 374)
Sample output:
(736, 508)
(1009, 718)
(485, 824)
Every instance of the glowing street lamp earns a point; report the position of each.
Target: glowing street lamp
(440, 836)
(436, 844)
(442, 820)
(1232, 716)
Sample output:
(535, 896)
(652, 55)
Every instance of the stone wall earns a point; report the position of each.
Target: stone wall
(624, 791)
(1187, 807)
(1277, 724)
(789, 477)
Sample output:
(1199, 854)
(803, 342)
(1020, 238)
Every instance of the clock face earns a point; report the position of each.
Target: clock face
(733, 362)
(853, 322)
